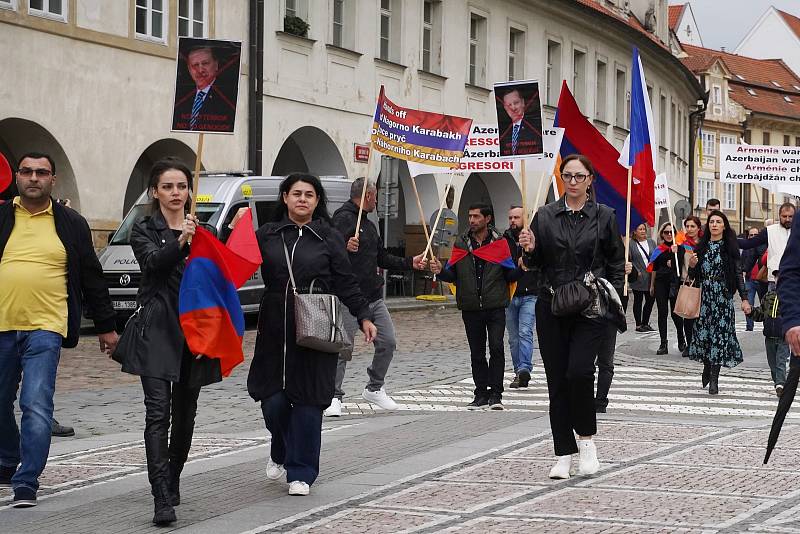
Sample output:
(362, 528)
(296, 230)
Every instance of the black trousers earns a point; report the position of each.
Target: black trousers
(688, 330)
(663, 301)
(296, 436)
(605, 366)
(482, 325)
(642, 307)
(569, 346)
(163, 399)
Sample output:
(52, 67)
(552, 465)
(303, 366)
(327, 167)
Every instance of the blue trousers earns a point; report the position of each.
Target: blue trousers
(29, 357)
(520, 322)
(296, 436)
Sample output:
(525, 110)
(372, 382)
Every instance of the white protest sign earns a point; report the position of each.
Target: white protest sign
(662, 191)
(776, 168)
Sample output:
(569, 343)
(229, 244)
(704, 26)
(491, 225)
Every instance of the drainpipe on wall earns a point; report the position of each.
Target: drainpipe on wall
(695, 121)
(255, 110)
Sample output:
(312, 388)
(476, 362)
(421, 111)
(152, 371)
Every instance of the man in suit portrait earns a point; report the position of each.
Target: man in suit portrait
(520, 125)
(205, 107)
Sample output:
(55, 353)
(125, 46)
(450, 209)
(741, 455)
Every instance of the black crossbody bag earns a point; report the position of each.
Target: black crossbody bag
(574, 297)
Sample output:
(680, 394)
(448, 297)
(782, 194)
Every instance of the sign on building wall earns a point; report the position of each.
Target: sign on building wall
(360, 153)
(776, 168)
(206, 85)
(519, 118)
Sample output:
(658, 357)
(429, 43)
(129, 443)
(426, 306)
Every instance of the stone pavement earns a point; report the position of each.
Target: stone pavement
(674, 459)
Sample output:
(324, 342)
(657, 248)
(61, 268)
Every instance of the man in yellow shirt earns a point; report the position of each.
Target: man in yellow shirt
(48, 267)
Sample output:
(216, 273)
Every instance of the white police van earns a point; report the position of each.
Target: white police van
(219, 197)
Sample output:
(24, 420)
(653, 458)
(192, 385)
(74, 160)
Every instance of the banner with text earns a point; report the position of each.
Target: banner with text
(414, 135)
(776, 168)
(662, 191)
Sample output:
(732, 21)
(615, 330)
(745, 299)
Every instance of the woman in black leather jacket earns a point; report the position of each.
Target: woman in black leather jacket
(295, 384)
(171, 376)
(717, 266)
(570, 237)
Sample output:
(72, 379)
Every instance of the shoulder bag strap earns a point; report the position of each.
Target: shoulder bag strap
(289, 265)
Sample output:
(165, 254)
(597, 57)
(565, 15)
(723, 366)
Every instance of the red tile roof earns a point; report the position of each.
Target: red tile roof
(791, 20)
(767, 102)
(746, 70)
(630, 20)
(675, 13)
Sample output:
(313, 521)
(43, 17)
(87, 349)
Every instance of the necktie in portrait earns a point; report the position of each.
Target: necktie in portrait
(198, 103)
(515, 138)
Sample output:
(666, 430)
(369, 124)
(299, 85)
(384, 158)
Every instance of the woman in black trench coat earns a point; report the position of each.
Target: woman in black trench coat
(295, 384)
(171, 376)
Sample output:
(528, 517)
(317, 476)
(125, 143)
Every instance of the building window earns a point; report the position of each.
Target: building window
(343, 24)
(477, 50)
(747, 136)
(600, 91)
(751, 92)
(717, 95)
(516, 54)
(621, 99)
(8, 4)
(675, 127)
(553, 72)
(705, 191)
(709, 144)
(765, 138)
(432, 36)
(787, 140)
(730, 197)
(728, 140)
(797, 141)
(390, 31)
(662, 126)
(151, 20)
(52, 9)
(579, 76)
(192, 16)
(765, 200)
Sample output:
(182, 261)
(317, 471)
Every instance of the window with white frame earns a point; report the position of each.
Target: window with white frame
(52, 9)
(516, 54)
(600, 90)
(390, 30)
(729, 202)
(553, 72)
(476, 74)
(579, 76)
(343, 18)
(717, 95)
(705, 191)
(192, 16)
(8, 4)
(432, 36)
(725, 139)
(709, 143)
(151, 20)
(621, 98)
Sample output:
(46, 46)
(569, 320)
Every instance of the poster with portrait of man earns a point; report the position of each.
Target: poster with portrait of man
(206, 85)
(519, 118)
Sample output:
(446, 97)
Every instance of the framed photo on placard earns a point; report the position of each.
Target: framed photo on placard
(519, 118)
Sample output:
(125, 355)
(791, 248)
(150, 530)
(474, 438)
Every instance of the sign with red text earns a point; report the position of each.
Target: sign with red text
(360, 153)
(776, 168)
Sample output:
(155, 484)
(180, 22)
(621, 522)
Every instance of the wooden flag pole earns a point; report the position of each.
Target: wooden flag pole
(364, 190)
(628, 226)
(524, 183)
(438, 215)
(540, 189)
(421, 214)
(196, 178)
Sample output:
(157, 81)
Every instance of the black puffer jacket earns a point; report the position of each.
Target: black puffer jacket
(371, 253)
(318, 253)
(565, 245)
(165, 354)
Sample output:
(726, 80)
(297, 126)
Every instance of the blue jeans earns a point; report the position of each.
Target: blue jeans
(777, 358)
(32, 357)
(520, 321)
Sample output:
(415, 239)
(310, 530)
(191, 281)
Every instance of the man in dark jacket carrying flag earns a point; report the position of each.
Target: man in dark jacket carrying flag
(482, 267)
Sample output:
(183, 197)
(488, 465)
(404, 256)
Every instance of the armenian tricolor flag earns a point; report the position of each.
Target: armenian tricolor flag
(660, 249)
(496, 252)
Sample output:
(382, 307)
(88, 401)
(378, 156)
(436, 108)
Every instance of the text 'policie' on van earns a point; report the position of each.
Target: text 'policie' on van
(219, 197)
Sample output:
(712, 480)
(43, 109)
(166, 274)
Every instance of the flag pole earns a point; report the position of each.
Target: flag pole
(196, 178)
(364, 190)
(438, 215)
(540, 189)
(421, 213)
(524, 183)
(628, 226)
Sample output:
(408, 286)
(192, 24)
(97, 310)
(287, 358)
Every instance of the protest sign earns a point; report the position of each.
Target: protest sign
(776, 168)
(206, 85)
(519, 118)
(662, 191)
(414, 135)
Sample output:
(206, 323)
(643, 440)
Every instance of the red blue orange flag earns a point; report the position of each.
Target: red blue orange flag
(660, 249)
(496, 252)
(210, 312)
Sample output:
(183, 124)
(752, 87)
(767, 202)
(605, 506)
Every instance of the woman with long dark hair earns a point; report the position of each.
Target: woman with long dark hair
(171, 376)
(569, 239)
(717, 266)
(641, 247)
(664, 287)
(692, 229)
(295, 384)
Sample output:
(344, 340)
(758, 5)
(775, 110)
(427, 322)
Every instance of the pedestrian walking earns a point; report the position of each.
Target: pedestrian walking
(640, 250)
(664, 284)
(692, 228)
(295, 384)
(48, 268)
(170, 374)
(521, 312)
(569, 239)
(769, 313)
(750, 258)
(367, 254)
(482, 295)
(789, 289)
(775, 237)
(717, 266)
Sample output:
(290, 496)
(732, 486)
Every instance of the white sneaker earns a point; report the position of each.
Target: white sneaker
(589, 464)
(562, 470)
(298, 487)
(334, 410)
(274, 471)
(379, 398)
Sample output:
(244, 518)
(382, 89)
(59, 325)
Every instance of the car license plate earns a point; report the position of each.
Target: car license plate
(124, 304)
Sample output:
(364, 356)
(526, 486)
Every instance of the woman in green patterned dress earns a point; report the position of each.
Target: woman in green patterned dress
(716, 265)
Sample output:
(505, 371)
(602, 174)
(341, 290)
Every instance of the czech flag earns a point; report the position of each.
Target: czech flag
(611, 179)
(495, 252)
(660, 249)
(639, 151)
(210, 313)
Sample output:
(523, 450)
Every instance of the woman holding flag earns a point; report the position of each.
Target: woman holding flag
(295, 384)
(664, 284)
(171, 376)
(568, 239)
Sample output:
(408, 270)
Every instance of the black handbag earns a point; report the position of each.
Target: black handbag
(131, 342)
(575, 296)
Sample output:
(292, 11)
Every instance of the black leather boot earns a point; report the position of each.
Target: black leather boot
(164, 513)
(174, 484)
(713, 385)
(706, 372)
(662, 349)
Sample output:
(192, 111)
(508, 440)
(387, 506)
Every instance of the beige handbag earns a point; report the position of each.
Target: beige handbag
(687, 305)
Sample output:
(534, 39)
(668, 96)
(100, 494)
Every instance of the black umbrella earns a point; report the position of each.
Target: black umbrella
(785, 402)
